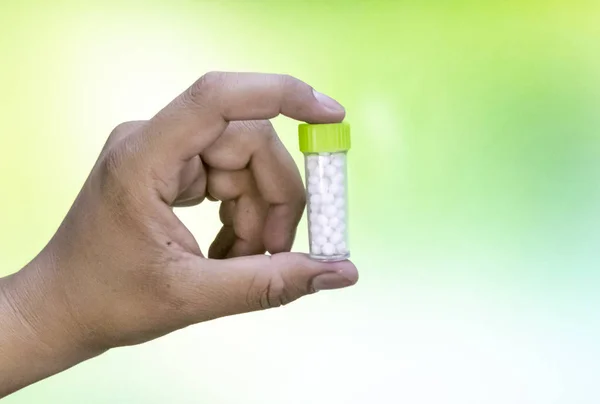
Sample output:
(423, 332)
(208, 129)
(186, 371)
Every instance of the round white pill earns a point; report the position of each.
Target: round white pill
(316, 199)
(322, 220)
(327, 198)
(341, 248)
(312, 217)
(336, 189)
(338, 178)
(313, 188)
(335, 237)
(326, 231)
(338, 160)
(316, 229)
(339, 202)
(329, 211)
(328, 249)
(319, 240)
(313, 179)
(315, 249)
(334, 222)
(341, 213)
(330, 170)
(324, 184)
(324, 160)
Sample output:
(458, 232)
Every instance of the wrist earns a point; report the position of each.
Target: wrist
(38, 336)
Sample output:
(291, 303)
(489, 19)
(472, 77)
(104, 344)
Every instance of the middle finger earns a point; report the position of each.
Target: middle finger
(255, 145)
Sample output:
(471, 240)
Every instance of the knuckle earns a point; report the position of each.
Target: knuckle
(120, 133)
(125, 128)
(214, 78)
(117, 158)
(202, 92)
(273, 295)
(288, 83)
(209, 82)
(287, 79)
(113, 186)
(112, 162)
(264, 124)
(259, 125)
(115, 168)
(266, 131)
(270, 289)
(262, 132)
(227, 186)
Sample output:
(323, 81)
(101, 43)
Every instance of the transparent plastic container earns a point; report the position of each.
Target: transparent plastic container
(325, 149)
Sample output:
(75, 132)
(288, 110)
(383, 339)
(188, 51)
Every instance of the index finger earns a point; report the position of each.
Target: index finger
(195, 119)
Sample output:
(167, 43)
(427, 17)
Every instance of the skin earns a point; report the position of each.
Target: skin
(122, 269)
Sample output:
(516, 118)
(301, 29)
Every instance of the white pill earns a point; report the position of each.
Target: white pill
(334, 222)
(319, 240)
(341, 248)
(315, 208)
(315, 199)
(315, 249)
(312, 217)
(335, 237)
(326, 231)
(313, 188)
(329, 211)
(328, 249)
(316, 229)
(324, 160)
(313, 179)
(322, 220)
(337, 189)
(341, 213)
(338, 178)
(339, 202)
(327, 198)
(312, 165)
(338, 160)
(330, 171)
(324, 184)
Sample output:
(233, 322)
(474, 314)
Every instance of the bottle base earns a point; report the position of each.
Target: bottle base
(330, 258)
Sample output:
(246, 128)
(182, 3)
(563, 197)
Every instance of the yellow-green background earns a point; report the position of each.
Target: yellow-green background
(475, 191)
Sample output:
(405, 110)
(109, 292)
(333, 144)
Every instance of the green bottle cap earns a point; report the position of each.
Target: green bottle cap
(324, 138)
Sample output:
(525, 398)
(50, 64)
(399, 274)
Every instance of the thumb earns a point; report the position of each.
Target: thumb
(244, 284)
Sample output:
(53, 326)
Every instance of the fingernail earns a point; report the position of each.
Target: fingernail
(328, 102)
(331, 280)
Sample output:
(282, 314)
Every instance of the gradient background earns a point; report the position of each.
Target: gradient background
(475, 191)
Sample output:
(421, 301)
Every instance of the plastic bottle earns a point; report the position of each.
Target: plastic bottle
(325, 148)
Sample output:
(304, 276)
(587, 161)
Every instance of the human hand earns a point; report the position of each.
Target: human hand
(122, 269)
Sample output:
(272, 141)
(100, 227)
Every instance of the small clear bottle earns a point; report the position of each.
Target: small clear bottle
(325, 148)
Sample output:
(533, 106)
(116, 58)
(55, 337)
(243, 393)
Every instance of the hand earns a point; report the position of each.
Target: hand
(122, 269)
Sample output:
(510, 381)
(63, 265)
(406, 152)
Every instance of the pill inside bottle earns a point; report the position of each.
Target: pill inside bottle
(325, 148)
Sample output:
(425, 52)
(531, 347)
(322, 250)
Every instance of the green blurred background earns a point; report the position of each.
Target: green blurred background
(475, 191)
